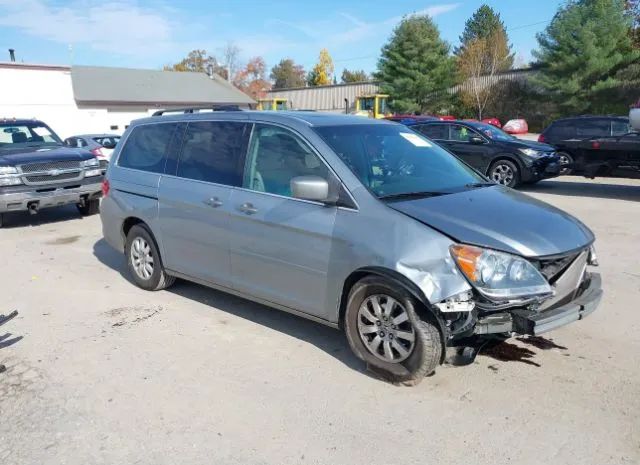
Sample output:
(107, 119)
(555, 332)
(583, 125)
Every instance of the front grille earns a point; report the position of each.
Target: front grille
(552, 268)
(50, 165)
(42, 178)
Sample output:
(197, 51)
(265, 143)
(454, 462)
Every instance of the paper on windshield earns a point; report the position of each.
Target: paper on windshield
(415, 139)
(42, 132)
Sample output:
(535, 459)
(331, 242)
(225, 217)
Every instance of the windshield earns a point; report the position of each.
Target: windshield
(390, 160)
(108, 142)
(15, 135)
(492, 132)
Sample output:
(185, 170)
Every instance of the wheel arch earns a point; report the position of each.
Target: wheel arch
(505, 156)
(426, 309)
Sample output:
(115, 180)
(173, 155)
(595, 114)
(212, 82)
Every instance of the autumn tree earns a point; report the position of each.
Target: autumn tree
(587, 60)
(322, 73)
(252, 78)
(633, 10)
(354, 76)
(479, 61)
(287, 74)
(198, 61)
(415, 67)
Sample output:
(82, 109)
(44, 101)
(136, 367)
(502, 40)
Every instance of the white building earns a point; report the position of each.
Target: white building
(86, 99)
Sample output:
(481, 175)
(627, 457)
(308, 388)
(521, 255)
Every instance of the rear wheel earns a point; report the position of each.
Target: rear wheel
(144, 262)
(566, 161)
(89, 207)
(505, 172)
(384, 330)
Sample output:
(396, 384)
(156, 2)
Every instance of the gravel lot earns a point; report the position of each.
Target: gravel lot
(106, 373)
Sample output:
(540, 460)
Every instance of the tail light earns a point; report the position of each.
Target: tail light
(541, 138)
(595, 145)
(98, 152)
(105, 187)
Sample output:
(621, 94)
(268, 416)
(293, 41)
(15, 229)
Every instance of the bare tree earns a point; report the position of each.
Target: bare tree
(478, 63)
(230, 57)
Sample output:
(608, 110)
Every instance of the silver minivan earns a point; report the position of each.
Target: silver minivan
(358, 224)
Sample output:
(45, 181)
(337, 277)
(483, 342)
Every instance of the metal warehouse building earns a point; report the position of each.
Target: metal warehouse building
(337, 98)
(90, 99)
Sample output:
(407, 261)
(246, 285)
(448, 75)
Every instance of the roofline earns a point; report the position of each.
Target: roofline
(156, 104)
(344, 84)
(33, 66)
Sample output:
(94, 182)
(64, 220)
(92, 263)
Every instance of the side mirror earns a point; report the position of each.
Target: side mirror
(475, 140)
(310, 188)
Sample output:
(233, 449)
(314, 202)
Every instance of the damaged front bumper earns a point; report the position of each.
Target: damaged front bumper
(535, 322)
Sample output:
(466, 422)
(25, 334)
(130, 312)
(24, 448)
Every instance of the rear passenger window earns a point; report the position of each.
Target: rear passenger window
(434, 131)
(593, 128)
(212, 151)
(146, 147)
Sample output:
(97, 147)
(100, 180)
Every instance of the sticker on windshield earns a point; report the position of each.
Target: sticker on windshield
(415, 139)
(42, 132)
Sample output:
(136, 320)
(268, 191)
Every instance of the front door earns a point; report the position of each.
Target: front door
(280, 246)
(460, 143)
(195, 203)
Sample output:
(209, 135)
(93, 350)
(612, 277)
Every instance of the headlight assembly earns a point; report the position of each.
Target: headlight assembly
(91, 163)
(9, 176)
(499, 275)
(530, 153)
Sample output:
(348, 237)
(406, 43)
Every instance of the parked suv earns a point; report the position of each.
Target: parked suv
(358, 224)
(38, 171)
(566, 135)
(502, 157)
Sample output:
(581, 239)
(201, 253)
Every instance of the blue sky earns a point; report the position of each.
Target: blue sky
(148, 34)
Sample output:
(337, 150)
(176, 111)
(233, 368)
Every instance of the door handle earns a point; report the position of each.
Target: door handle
(214, 202)
(248, 208)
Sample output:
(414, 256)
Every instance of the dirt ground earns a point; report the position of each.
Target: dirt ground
(100, 372)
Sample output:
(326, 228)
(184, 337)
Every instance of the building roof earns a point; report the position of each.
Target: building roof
(96, 84)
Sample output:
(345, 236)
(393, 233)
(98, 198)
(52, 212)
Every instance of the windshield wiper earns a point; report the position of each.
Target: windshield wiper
(480, 184)
(405, 195)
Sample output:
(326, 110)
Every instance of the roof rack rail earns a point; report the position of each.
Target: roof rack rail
(191, 110)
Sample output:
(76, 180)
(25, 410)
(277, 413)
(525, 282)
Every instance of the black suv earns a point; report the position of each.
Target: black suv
(595, 145)
(502, 157)
(38, 171)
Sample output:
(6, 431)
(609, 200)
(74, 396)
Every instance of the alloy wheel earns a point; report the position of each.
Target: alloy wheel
(503, 174)
(385, 328)
(141, 258)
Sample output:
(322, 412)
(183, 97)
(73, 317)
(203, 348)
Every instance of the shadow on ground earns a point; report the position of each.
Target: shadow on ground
(327, 339)
(586, 188)
(44, 216)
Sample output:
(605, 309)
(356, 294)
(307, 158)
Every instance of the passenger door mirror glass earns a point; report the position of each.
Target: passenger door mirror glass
(310, 188)
(476, 140)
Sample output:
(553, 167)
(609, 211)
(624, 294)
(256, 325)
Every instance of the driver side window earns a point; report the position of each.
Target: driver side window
(276, 156)
(462, 133)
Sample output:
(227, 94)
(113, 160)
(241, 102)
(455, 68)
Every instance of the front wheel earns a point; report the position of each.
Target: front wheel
(505, 172)
(384, 330)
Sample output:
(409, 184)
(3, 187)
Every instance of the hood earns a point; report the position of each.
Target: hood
(35, 155)
(500, 218)
(529, 144)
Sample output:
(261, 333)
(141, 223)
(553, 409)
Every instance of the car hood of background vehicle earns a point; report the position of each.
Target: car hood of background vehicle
(35, 155)
(528, 144)
(500, 218)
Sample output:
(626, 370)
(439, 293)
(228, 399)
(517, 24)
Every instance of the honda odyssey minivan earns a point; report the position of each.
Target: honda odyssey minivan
(361, 225)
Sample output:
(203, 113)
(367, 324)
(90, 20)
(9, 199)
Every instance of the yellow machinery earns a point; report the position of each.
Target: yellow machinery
(273, 104)
(373, 106)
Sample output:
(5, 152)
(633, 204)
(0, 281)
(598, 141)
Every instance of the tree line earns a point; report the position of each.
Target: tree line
(587, 61)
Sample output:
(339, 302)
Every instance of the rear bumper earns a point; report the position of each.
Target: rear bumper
(523, 321)
(18, 198)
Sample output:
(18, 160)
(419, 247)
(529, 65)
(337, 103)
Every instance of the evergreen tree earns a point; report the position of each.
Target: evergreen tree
(287, 74)
(485, 24)
(415, 67)
(354, 76)
(586, 57)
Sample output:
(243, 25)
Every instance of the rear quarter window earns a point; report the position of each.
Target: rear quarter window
(562, 130)
(146, 147)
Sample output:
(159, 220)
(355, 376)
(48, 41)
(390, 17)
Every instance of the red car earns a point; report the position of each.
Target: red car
(493, 121)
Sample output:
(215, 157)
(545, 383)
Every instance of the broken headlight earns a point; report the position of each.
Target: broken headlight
(499, 275)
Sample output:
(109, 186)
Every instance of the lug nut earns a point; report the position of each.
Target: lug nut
(378, 323)
(390, 336)
(381, 333)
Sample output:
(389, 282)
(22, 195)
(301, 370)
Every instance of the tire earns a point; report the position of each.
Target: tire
(505, 172)
(144, 262)
(90, 207)
(421, 357)
(565, 159)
